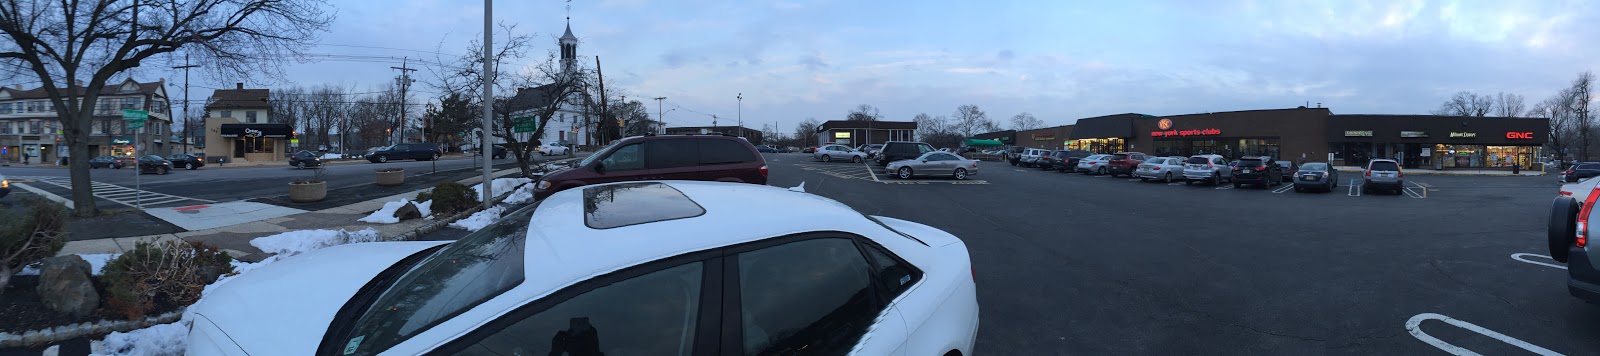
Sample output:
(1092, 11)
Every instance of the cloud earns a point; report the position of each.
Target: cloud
(812, 61)
(1005, 55)
(971, 70)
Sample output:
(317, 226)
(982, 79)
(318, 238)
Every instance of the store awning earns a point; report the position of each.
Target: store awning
(978, 142)
(257, 130)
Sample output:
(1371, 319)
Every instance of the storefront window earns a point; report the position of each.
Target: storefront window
(1505, 156)
(1460, 156)
(1097, 145)
(1258, 147)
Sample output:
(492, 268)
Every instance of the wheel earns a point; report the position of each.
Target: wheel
(1365, 189)
(856, 159)
(1562, 227)
(1167, 178)
(1297, 189)
(190, 167)
(961, 174)
(904, 173)
(1143, 179)
(1102, 171)
(1013, 162)
(1188, 182)
(383, 159)
(164, 170)
(297, 164)
(1216, 179)
(435, 157)
(1237, 184)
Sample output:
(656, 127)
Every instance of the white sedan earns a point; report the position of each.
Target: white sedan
(832, 153)
(553, 149)
(634, 268)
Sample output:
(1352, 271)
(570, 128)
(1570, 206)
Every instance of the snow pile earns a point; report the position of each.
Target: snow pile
(501, 186)
(96, 262)
(522, 195)
(386, 214)
(163, 339)
(332, 156)
(295, 242)
(479, 219)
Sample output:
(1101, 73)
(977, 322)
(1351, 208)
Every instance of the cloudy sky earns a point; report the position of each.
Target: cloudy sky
(1059, 60)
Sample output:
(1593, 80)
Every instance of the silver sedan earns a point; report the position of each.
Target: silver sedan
(832, 153)
(942, 164)
(1163, 168)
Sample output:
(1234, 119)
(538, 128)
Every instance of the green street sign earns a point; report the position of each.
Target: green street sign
(138, 115)
(135, 124)
(523, 124)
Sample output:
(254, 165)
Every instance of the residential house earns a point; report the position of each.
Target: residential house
(31, 130)
(237, 128)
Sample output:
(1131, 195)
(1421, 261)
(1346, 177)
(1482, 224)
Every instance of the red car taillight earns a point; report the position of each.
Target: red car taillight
(763, 170)
(1369, 173)
(974, 164)
(1156, 168)
(1582, 238)
(1261, 169)
(1569, 171)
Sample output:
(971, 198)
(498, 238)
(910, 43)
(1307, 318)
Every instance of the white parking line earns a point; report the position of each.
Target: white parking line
(1355, 189)
(1419, 192)
(1135, 180)
(1221, 186)
(1414, 325)
(1178, 183)
(1519, 258)
(47, 195)
(1286, 187)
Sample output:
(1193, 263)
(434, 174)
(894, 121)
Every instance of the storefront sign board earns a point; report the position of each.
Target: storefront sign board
(1519, 135)
(1185, 133)
(1463, 135)
(1358, 133)
(1413, 134)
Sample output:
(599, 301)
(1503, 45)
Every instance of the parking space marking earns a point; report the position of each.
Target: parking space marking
(1519, 258)
(1221, 186)
(1135, 180)
(1178, 183)
(1414, 325)
(1419, 192)
(122, 195)
(1285, 188)
(1355, 189)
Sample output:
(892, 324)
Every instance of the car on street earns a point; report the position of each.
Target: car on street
(1257, 170)
(618, 269)
(1030, 157)
(899, 150)
(1315, 176)
(1163, 168)
(1094, 164)
(186, 161)
(1207, 168)
(1289, 169)
(495, 152)
(305, 159)
(832, 153)
(808, 149)
(1580, 172)
(936, 164)
(1568, 231)
(766, 149)
(107, 162)
(870, 149)
(154, 164)
(5, 186)
(1121, 163)
(416, 151)
(661, 157)
(553, 149)
(1383, 174)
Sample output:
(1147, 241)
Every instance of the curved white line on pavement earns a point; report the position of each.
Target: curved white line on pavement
(1518, 257)
(1414, 326)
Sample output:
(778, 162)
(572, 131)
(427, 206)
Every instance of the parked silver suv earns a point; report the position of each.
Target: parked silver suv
(1383, 174)
(1030, 157)
(1206, 168)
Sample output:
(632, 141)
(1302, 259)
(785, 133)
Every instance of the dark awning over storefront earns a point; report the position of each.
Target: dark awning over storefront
(1430, 129)
(257, 130)
(1113, 126)
(978, 142)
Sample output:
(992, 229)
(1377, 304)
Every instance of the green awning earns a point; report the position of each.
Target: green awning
(978, 142)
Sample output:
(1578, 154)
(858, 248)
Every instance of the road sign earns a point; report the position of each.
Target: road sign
(138, 115)
(134, 124)
(523, 124)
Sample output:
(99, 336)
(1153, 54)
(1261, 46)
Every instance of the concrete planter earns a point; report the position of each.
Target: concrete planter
(391, 177)
(308, 192)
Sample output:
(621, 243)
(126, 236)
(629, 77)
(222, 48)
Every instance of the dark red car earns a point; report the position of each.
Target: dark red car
(1124, 163)
(663, 157)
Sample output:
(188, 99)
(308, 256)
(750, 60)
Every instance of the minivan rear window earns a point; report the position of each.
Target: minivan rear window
(1119, 156)
(1385, 166)
(1199, 160)
(1251, 162)
(721, 151)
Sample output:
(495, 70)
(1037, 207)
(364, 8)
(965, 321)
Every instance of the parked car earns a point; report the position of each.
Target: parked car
(1014, 154)
(937, 164)
(809, 149)
(553, 149)
(186, 161)
(766, 149)
(664, 157)
(305, 159)
(1030, 157)
(1315, 176)
(1122, 163)
(1207, 168)
(789, 149)
(107, 162)
(898, 150)
(1289, 169)
(617, 269)
(5, 186)
(1257, 170)
(416, 151)
(1383, 174)
(1164, 168)
(1580, 172)
(154, 164)
(871, 150)
(1067, 160)
(830, 153)
(1050, 159)
(1094, 164)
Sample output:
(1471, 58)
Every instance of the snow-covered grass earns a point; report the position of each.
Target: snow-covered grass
(96, 261)
(501, 186)
(332, 156)
(386, 214)
(295, 242)
(162, 339)
(522, 195)
(479, 219)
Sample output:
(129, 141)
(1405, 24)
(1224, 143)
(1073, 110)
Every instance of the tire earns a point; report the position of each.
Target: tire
(856, 159)
(1102, 171)
(904, 173)
(1143, 179)
(1562, 227)
(297, 165)
(190, 167)
(1216, 178)
(164, 170)
(1237, 184)
(961, 174)
(1297, 189)
(1188, 182)
(383, 159)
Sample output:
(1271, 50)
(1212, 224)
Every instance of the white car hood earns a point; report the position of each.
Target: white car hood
(285, 308)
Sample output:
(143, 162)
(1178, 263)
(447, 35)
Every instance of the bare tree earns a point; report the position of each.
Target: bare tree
(806, 130)
(1580, 94)
(863, 112)
(1561, 123)
(937, 131)
(1025, 121)
(970, 120)
(60, 43)
(1466, 103)
(1508, 105)
(326, 107)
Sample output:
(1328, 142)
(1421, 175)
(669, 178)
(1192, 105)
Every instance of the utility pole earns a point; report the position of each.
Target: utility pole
(740, 114)
(185, 67)
(405, 83)
(604, 111)
(488, 104)
(661, 121)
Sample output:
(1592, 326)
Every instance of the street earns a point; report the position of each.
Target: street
(1076, 264)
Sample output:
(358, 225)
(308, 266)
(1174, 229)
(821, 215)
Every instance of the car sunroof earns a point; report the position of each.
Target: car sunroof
(618, 205)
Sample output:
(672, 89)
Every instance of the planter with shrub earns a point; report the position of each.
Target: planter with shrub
(390, 177)
(309, 190)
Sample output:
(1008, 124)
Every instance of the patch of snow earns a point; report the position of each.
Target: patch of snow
(332, 156)
(501, 186)
(426, 208)
(522, 195)
(161, 339)
(295, 242)
(97, 261)
(799, 188)
(386, 214)
(479, 219)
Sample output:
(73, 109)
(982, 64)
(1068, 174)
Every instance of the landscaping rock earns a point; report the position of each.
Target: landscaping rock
(408, 212)
(65, 287)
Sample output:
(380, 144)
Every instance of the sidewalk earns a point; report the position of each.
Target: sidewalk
(1454, 172)
(216, 230)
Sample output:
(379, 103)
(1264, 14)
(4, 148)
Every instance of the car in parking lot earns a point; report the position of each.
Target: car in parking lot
(1067, 160)
(305, 159)
(5, 186)
(899, 150)
(1257, 170)
(661, 157)
(1315, 176)
(1289, 168)
(1383, 174)
(831, 153)
(1207, 168)
(1121, 163)
(1030, 157)
(766, 149)
(1014, 154)
(1095, 164)
(870, 149)
(108, 162)
(186, 161)
(618, 269)
(1580, 172)
(553, 149)
(1051, 159)
(154, 164)
(1568, 233)
(1164, 168)
(416, 151)
(939, 164)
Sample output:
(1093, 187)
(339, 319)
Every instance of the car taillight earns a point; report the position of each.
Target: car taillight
(1566, 193)
(1261, 169)
(974, 164)
(1569, 171)
(1582, 238)
(1399, 173)
(1156, 168)
(1369, 173)
(763, 170)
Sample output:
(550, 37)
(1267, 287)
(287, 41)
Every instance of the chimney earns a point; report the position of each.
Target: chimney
(239, 86)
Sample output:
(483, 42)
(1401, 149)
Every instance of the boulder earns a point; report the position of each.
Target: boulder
(65, 287)
(408, 212)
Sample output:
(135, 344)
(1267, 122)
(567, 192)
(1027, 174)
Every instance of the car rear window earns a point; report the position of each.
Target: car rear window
(1199, 160)
(1119, 156)
(1251, 163)
(720, 151)
(1384, 166)
(1314, 167)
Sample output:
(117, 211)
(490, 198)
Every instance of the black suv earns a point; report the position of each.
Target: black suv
(1014, 154)
(186, 161)
(1257, 170)
(1580, 172)
(416, 151)
(898, 150)
(1067, 160)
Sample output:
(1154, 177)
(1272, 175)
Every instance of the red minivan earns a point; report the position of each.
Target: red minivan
(664, 157)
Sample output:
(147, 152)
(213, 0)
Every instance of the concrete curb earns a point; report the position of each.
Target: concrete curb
(67, 332)
(1429, 172)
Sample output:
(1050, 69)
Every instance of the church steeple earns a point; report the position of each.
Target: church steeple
(569, 48)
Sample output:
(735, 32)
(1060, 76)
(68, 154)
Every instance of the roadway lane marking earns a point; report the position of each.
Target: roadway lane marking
(1178, 183)
(1519, 258)
(1222, 187)
(47, 195)
(1285, 188)
(1414, 192)
(1414, 325)
(1355, 189)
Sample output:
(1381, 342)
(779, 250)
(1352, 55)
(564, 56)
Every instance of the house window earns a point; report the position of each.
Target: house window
(5, 108)
(5, 127)
(35, 127)
(130, 103)
(250, 116)
(227, 113)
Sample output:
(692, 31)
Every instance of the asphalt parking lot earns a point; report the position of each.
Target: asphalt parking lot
(1076, 264)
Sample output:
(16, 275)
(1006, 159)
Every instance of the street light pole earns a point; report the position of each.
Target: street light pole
(488, 103)
(740, 113)
(661, 119)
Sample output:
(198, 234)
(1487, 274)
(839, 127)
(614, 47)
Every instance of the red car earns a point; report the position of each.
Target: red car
(1124, 163)
(675, 157)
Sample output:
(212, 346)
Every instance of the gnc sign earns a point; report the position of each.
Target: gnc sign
(1519, 135)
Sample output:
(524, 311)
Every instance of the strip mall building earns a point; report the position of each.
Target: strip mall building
(1308, 134)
